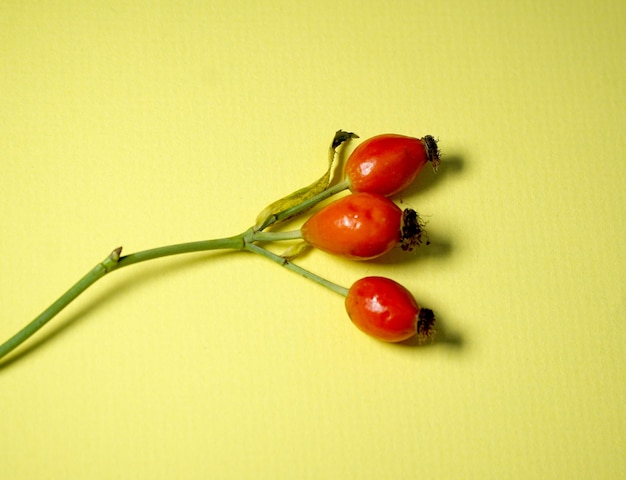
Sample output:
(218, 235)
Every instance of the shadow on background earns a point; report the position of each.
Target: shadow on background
(451, 166)
(443, 337)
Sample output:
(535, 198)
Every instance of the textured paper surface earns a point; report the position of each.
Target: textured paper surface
(149, 123)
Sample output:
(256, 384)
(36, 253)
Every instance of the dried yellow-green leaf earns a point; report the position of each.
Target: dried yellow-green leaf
(294, 250)
(305, 193)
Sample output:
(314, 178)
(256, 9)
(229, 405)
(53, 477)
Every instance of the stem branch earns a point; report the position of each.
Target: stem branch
(93, 276)
(282, 261)
(301, 207)
(243, 241)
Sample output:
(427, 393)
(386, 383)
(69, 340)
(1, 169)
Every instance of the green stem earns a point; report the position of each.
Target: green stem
(94, 275)
(243, 241)
(259, 236)
(282, 261)
(301, 207)
(235, 242)
(115, 262)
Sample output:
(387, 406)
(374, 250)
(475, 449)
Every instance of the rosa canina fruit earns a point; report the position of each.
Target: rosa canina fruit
(363, 226)
(384, 309)
(388, 163)
(360, 226)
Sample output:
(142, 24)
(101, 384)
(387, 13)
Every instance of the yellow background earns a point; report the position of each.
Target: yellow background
(149, 123)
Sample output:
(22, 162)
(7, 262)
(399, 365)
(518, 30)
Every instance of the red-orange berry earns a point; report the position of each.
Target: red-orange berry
(388, 163)
(361, 226)
(384, 309)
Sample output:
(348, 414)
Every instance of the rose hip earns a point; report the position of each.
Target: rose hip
(363, 226)
(384, 309)
(388, 163)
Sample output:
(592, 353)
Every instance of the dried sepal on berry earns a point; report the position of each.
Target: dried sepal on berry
(432, 150)
(426, 326)
(412, 232)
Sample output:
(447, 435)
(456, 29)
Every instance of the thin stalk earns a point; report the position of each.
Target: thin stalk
(114, 262)
(276, 236)
(233, 243)
(92, 277)
(305, 205)
(243, 241)
(282, 261)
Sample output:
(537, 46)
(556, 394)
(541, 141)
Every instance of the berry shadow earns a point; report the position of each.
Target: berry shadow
(444, 337)
(437, 248)
(451, 165)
